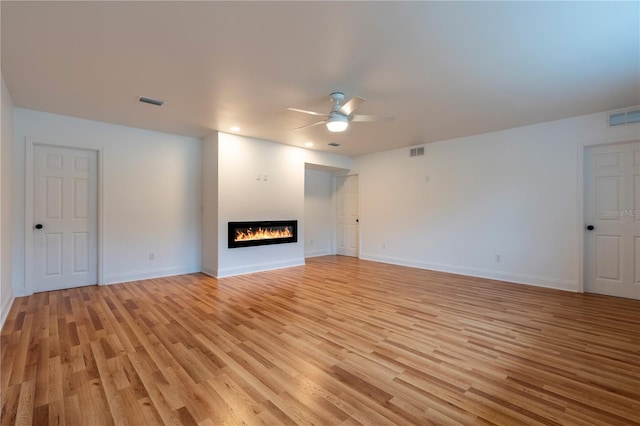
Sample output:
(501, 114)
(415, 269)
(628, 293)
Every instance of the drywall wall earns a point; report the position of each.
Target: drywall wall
(263, 180)
(6, 201)
(151, 194)
(513, 193)
(318, 212)
(210, 204)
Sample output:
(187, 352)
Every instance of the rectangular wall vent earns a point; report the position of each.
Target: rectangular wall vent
(146, 100)
(416, 152)
(624, 117)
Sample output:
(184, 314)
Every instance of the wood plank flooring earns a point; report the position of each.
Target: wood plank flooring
(338, 341)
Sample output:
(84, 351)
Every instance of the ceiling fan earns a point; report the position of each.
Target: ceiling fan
(338, 119)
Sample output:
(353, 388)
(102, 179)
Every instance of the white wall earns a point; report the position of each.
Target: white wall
(241, 197)
(318, 213)
(6, 201)
(210, 204)
(514, 193)
(151, 196)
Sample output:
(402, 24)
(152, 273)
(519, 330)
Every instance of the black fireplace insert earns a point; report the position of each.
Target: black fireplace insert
(260, 233)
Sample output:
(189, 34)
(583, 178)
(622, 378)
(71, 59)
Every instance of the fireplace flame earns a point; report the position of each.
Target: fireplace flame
(263, 233)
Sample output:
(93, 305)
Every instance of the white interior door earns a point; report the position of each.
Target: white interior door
(612, 216)
(347, 217)
(64, 218)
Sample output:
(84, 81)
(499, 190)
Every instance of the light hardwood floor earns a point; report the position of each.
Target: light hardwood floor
(338, 341)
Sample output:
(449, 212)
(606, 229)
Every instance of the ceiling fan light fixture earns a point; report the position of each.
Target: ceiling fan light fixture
(338, 123)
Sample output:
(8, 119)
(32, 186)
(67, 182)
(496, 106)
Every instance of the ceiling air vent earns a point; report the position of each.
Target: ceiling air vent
(624, 117)
(416, 152)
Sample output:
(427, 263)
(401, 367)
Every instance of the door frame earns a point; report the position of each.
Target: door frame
(582, 152)
(30, 145)
(334, 219)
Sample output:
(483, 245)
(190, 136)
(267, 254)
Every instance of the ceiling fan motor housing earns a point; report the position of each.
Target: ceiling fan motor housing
(337, 97)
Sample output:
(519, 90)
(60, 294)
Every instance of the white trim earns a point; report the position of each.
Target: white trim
(6, 307)
(30, 144)
(147, 274)
(100, 218)
(580, 215)
(257, 267)
(334, 215)
(358, 221)
(547, 282)
(316, 253)
(28, 215)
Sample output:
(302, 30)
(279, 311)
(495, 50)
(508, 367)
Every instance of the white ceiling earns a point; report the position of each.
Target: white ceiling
(443, 69)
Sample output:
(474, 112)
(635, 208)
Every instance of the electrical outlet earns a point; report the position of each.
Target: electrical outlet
(498, 258)
(258, 176)
(311, 242)
(265, 177)
(152, 256)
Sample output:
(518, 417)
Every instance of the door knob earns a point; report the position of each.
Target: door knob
(39, 226)
(590, 227)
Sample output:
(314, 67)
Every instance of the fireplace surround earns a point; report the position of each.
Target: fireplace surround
(260, 233)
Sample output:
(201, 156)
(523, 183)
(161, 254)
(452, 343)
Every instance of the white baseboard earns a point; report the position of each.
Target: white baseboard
(256, 267)
(208, 271)
(145, 274)
(317, 253)
(6, 307)
(149, 274)
(547, 282)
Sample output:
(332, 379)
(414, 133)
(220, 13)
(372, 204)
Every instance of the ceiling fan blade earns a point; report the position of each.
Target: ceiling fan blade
(351, 106)
(304, 111)
(370, 118)
(310, 125)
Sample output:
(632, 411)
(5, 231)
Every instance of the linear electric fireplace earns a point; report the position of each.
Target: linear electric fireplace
(246, 234)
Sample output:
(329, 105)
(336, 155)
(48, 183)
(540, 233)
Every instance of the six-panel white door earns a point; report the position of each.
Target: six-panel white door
(347, 215)
(612, 210)
(64, 218)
